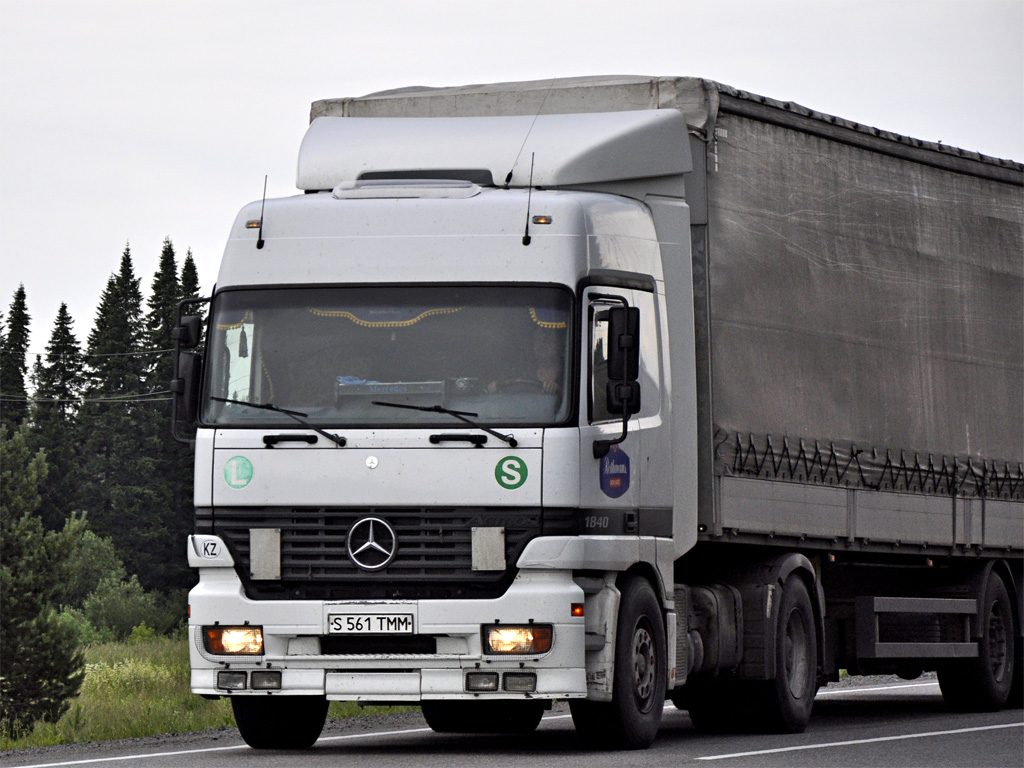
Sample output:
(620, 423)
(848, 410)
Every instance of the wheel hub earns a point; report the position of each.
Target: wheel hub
(997, 642)
(795, 653)
(644, 664)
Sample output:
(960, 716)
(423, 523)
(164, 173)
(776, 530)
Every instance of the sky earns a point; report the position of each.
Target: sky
(128, 121)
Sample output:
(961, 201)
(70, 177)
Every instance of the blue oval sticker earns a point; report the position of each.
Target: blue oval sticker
(615, 472)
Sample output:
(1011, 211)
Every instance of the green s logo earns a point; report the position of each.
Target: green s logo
(510, 472)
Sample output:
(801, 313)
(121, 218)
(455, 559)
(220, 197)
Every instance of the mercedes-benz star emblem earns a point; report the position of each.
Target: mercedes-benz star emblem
(372, 543)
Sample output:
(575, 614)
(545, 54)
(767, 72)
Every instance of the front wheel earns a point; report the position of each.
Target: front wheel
(280, 722)
(984, 684)
(632, 718)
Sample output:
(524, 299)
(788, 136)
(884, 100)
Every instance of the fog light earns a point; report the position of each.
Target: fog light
(246, 641)
(266, 681)
(482, 681)
(231, 681)
(520, 682)
(534, 638)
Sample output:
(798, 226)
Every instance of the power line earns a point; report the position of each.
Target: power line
(140, 353)
(141, 397)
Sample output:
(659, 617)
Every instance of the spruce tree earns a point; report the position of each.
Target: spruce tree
(41, 667)
(115, 342)
(58, 391)
(189, 277)
(120, 489)
(162, 317)
(184, 466)
(13, 365)
(173, 477)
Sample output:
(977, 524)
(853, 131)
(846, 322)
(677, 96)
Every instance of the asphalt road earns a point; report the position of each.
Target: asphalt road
(879, 724)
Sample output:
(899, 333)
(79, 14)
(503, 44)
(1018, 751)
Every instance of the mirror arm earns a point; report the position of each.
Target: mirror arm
(601, 447)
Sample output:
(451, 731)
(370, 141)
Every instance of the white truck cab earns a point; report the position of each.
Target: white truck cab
(405, 381)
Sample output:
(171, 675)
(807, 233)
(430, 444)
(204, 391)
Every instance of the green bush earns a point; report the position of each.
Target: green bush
(142, 634)
(41, 665)
(171, 612)
(87, 633)
(92, 559)
(119, 606)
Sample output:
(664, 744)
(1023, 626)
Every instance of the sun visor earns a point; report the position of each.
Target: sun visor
(565, 149)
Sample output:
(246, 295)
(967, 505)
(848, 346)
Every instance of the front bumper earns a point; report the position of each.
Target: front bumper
(295, 633)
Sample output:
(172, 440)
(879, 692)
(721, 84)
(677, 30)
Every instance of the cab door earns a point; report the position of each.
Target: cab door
(610, 483)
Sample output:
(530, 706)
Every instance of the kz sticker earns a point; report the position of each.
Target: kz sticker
(210, 550)
(238, 472)
(615, 473)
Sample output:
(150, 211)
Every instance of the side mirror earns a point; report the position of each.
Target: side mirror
(185, 393)
(623, 388)
(188, 331)
(624, 344)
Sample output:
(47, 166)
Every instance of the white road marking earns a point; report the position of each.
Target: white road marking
(134, 757)
(235, 747)
(846, 691)
(351, 736)
(833, 744)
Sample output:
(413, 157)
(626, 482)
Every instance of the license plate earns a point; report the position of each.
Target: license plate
(370, 624)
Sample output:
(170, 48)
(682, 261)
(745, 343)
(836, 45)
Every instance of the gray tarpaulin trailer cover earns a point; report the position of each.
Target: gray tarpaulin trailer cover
(859, 294)
(865, 300)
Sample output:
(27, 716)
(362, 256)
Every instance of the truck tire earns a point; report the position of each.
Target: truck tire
(632, 718)
(983, 684)
(280, 722)
(788, 699)
(483, 716)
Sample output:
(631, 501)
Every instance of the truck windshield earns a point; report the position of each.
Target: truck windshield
(335, 354)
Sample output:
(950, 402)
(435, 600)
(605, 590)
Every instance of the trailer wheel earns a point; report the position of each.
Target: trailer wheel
(632, 718)
(983, 684)
(788, 698)
(280, 722)
(483, 716)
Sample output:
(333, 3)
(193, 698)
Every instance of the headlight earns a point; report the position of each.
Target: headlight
(247, 641)
(521, 640)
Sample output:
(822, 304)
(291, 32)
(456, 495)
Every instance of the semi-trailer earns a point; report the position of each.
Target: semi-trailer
(610, 390)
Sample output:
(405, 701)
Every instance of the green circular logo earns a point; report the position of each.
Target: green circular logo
(238, 472)
(510, 472)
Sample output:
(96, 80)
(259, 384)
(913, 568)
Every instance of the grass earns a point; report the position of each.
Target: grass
(142, 689)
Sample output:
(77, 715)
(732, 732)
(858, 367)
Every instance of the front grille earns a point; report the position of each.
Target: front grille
(434, 558)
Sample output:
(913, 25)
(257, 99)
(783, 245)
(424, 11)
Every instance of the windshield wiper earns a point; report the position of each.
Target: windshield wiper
(297, 415)
(460, 415)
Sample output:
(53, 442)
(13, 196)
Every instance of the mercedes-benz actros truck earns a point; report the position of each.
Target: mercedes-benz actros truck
(614, 391)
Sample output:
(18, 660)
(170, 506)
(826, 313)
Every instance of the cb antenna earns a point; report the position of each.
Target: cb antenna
(508, 178)
(259, 235)
(529, 196)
